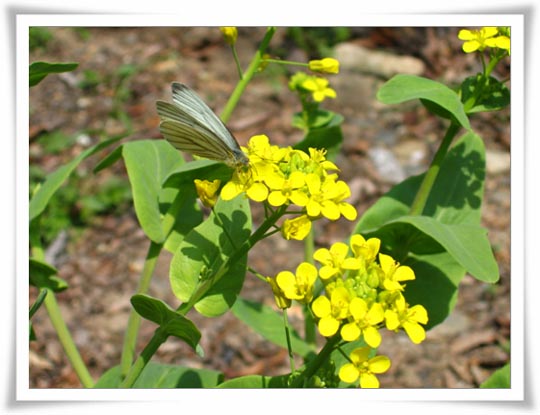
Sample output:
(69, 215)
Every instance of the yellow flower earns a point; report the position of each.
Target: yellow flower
(363, 367)
(298, 287)
(366, 250)
(230, 34)
(400, 315)
(477, 39)
(297, 228)
(326, 65)
(394, 273)
(319, 88)
(334, 260)
(244, 181)
(281, 301)
(363, 322)
(331, 311)
(326, 198)
(286, 189)
(207, 191)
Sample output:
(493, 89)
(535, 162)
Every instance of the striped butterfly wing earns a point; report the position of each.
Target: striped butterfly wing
(190, 125)
(189, 103)
(196, 140)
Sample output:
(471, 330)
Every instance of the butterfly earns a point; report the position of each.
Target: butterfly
(191, 126)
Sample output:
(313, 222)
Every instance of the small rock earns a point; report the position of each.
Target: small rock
(387, 165)
(356, 58)
(497, 162)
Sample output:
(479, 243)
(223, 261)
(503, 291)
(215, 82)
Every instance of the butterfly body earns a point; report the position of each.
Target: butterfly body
(191, 126)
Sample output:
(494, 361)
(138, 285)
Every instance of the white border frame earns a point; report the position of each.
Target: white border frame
(24, 393)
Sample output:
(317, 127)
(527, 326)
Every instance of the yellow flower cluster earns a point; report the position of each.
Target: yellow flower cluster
(283, 176)
(363, 293)
(489, 36)
(317, 86)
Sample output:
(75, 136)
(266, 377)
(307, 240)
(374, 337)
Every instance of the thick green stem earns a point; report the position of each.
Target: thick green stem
(317, 362)
(248, 75)
(134, 321)
(424, 191)
(157, 340)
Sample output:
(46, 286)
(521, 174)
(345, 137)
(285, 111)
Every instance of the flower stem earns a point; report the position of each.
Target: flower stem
(55, 315)
(424, 190)
(288, 336)
(247, 76)
(317, 362)
(134, 320)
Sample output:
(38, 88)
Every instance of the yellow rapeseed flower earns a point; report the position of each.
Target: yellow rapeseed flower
(207, 191)
(364, 322)
(297, 228)
(334, 260)
(298, 286)
(331, 312)
(477, 39)
(230, 33)
(408, 318)
(279, 296)
(363, 367)
(326, 65)
(319, 88)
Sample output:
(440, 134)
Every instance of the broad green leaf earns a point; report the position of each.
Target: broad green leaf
(170, 321)
(403, 88)
(148, 163)
(489, 94)
(269, 324)
(255, 382)
(54, 180)
(39, 70)
(163, 376)
(198, 169)
(44, 275)
(201, 261)
(500, 379)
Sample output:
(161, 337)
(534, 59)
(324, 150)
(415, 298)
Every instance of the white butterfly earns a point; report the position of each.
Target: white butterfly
(191, 126)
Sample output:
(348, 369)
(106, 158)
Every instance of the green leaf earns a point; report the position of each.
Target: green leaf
(489, 94)
(163, 376)
(54, 180)
(198, 169)
(403, 88)
(148, 163)
(255, 382)
(39, 70)
(44, 275)
(171, 322)
(202, 259)
(499, 379)
(269, 324)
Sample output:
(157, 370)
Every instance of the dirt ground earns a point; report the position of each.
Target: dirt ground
(101, 261)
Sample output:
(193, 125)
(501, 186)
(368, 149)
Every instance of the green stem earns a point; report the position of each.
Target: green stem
(237, 61)
(134, 321)
(317, 362)
(420, 200)
(67, 341)
(55, 315)
(288, 337)
(157, 340)
(248, 75)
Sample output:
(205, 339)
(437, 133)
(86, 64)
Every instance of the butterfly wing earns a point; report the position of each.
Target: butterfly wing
(190, 125)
